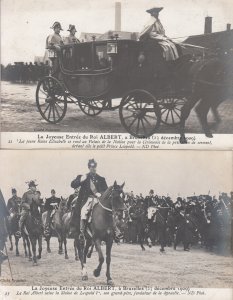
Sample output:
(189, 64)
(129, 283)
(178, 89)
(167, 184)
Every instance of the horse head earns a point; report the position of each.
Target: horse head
(118, 197)
(62, 205)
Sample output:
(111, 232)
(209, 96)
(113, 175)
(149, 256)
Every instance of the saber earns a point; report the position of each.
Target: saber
(9, 262)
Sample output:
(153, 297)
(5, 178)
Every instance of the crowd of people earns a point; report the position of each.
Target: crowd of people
(21, 72)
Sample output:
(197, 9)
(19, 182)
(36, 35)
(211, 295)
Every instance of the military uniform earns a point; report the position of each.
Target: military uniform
(89, 186)
(71, 39)
(27, 199)
(13, 204)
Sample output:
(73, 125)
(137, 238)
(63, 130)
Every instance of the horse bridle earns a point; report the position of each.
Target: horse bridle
(106, 208)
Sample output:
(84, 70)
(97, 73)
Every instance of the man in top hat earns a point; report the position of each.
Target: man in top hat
(92, 186)
(13, 204)
(50, 205)
(154, 30)
(27, 199)
(71, 39)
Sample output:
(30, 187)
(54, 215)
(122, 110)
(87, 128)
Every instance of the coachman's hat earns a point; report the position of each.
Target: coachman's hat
(13, 190)
(56, 24)
(71, 27)
(32, 184)
(92, 163)
(154, 10)
(53, 191)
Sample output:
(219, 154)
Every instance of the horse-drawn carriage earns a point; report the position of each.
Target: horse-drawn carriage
(108, 75)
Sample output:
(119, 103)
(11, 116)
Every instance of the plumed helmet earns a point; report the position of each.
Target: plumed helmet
(92, 163)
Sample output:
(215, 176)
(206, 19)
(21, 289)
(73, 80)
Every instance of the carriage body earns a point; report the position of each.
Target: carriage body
(97, 73)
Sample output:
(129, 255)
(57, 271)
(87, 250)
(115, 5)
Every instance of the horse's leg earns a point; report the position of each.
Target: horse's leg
(60, 250)
(25, 247)
(75, 251)
(10, 238)
(185, 112)
(101, 257)
(39, 247)
(202, 110)
(34, 258)
(16, 246)
(108, 261)
(65, 242)
(141, 236)
(48, 244)
(80, 246)
(214, 109)
(90, 251)
(29, 248)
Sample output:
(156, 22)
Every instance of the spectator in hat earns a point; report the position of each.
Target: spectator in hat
(71, 39)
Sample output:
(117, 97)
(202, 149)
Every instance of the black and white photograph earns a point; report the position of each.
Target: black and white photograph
(119, 66)
(129, 218)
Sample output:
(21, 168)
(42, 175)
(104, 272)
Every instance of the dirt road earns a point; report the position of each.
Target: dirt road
(19, 113)
(130, 267)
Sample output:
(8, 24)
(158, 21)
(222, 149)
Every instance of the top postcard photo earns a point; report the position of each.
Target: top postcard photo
(117, 66)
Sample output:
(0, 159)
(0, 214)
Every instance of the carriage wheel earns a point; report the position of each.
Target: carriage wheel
(140, 113)
(92, 107)
(51, 99)
(171, 109)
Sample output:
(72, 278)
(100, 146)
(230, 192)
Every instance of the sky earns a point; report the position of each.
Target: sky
(25, 24)
(167, 172)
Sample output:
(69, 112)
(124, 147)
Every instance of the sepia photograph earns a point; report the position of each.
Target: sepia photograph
(116, 218)
(138, 67)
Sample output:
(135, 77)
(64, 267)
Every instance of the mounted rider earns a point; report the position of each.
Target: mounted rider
(14, 203)
(92, 186)
(154, 30)
(28, 198)
(51, 204)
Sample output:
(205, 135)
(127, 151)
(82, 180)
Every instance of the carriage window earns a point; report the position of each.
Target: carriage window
(101, 57)
(67, 58)
(83, 57)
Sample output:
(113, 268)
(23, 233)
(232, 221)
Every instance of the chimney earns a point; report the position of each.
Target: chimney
(228, 26)
(208, 25)
(118, 16)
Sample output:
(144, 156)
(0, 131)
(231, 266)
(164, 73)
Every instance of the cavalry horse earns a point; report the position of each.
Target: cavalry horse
(33, 228)
(12, 224)
(56, 226)
(101, 229)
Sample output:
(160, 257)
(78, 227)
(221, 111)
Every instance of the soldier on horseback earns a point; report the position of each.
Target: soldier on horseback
(50, 206)
(28, 197)
(92, 186)
(13, 204)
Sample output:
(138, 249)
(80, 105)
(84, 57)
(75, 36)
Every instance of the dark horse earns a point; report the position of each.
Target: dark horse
(210, 83)
(33, 225)
(101, 229)
(12, 224)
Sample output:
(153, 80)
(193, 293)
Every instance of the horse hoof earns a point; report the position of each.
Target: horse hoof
(183, 140)
(88, 255)
(66, 257)
(96, 273)
(76, 258)
(209, 135)
(49, 250)
(35, 264)
(150, 245)
(11, 249)
(110, 282)
(84, 278)
(38, 257)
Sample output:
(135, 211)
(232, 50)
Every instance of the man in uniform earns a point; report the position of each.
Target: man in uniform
(27, 199)
(50, 205)
(53, 44)
(92, 186)
(13, 204)
(154, 30)
(71, 39)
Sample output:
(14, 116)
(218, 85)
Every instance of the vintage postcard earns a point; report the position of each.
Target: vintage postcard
(140, 68)
(163, 218)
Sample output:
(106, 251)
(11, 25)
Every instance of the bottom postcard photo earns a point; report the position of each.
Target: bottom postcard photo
(116, 223)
